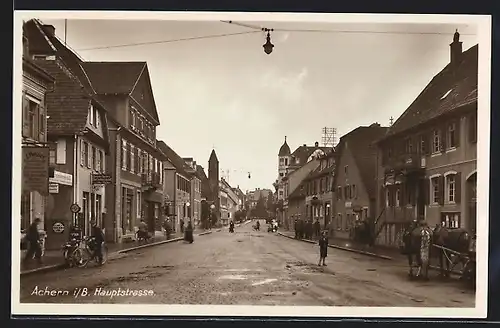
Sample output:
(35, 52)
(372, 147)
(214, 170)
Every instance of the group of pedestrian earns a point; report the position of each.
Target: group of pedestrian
(307, 229)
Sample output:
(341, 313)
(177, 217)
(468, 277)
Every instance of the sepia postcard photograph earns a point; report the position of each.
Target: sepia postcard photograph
(233, 164)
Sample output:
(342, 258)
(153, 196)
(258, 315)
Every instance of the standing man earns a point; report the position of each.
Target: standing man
(98, 236)
(33, 238)
(317, 229)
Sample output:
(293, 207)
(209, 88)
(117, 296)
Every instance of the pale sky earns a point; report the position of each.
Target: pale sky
(228, 94)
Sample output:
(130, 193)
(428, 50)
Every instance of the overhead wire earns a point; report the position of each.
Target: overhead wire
(257, 29)
(168, 41)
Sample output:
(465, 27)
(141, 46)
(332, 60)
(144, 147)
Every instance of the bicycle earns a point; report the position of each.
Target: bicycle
(86, 252)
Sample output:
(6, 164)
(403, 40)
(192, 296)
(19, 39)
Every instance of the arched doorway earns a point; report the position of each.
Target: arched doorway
(471, 184)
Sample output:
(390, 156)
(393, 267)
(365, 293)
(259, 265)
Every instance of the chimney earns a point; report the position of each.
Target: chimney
(49, 29)
(455, 49)
(304, 145)
(316, 144)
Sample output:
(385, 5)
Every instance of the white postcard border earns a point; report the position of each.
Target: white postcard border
(483, 24)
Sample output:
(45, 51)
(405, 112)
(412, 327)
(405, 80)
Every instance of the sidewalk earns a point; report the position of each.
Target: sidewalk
(382, 252)
(53, 259)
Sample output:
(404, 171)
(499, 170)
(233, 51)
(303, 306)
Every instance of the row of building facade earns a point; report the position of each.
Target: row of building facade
(90, 150)
(422, 166)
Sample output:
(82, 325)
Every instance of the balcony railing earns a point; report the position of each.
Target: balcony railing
(405, 162)
(151, 180)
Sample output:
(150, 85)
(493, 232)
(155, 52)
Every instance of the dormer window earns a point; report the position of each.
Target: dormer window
(286, 161)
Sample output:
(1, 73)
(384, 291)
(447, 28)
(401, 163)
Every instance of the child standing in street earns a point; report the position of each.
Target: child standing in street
(323, 248)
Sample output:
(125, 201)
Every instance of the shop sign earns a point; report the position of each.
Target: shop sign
(75, 208)
(58, 227)
(35, 169)
(348, 204)
(53, 188)
(101, 178)
(62, 178)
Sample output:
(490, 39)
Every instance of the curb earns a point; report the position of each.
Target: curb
(56, 267)
(149, 245)
(159, 243)
(343, 248)
(48, 268)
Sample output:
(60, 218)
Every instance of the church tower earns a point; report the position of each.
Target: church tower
(213, 179)
(284, 157)
(283, 160)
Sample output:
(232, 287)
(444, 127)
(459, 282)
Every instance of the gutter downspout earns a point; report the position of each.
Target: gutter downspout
(75, 175)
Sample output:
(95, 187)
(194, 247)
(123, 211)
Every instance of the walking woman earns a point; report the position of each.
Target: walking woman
(188, 233)
(323, 248)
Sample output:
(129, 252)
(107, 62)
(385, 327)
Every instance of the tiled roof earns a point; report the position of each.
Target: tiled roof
(300, 191)
(303, 153)
(36, 40)
(205, 184)
(361, 144)
(44, 40)
(458, 82)
(113, 77)
(29, 64)
(174, 158)
(68, 104)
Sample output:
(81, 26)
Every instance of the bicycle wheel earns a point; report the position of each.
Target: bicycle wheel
(81, 257)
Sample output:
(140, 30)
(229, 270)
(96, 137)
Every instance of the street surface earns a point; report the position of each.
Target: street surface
(244, 268)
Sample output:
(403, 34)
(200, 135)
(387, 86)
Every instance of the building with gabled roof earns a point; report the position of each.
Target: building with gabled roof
(428, 156)
(36, 84)
(135, 164)
(355, 178)
(177, 184)
(78, 140)
(289, 162)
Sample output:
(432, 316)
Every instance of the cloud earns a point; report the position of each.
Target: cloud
(290, 86)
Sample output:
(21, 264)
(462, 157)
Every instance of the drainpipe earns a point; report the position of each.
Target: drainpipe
(75, 174)
(117, 193)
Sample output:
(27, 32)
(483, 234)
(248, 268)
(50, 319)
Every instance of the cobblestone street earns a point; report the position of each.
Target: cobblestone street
(245, 268)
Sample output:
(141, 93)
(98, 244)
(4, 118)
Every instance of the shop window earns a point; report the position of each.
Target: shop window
(450, 220)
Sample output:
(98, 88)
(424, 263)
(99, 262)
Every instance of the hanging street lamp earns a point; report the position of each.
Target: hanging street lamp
(268, 46)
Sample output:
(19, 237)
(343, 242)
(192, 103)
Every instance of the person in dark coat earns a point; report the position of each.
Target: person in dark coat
(323, 248)
(182, 226)
(296, 228)
(300, 229)
(188, 233)
(317, 229)
(33, 238)
(98, 236)
(309, 229)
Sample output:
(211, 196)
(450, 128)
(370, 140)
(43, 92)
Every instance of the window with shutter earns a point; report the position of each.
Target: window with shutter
(41, 123)
(458, 187)
(128, 156)
(94, 159)
(443, 137)
(440, 190)
(89, 155)
(86, 154)
(25, 107)
(124, 154)
(82, 153)
(132, 160)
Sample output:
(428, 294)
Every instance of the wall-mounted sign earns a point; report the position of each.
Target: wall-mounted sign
(62, 178)
(101, 178)
(75, 208)
(53, 188)
(348, 204)
(58, 227)
(35, 169)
